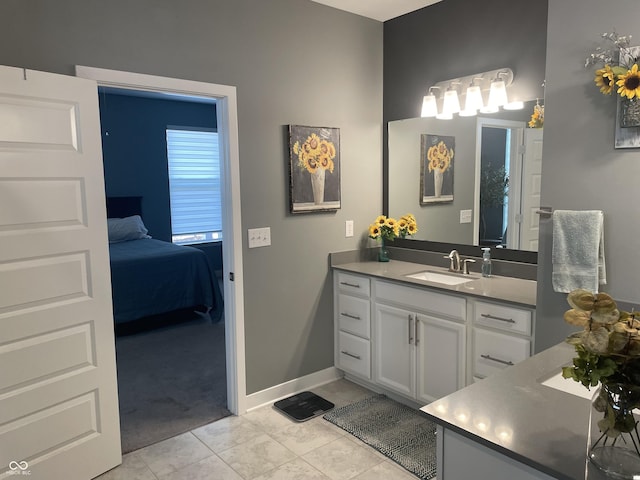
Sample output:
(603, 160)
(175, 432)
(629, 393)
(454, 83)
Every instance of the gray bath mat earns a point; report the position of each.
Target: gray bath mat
(403, 434)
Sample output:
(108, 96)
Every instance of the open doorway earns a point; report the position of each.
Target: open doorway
(161, 155)
(226, 114)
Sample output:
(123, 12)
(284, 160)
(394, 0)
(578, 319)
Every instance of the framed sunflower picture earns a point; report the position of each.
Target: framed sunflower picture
(314, 169)
(436, 168)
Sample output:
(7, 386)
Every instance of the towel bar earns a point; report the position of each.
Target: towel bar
(544, 212)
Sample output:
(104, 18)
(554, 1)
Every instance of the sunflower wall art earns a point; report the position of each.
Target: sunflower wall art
(436, 168)
(617, 74)
(314, 179)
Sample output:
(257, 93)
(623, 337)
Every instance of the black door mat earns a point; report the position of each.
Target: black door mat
(303, 406)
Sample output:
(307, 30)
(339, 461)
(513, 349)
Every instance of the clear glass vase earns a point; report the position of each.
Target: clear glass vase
(383, 253)
(613, 444)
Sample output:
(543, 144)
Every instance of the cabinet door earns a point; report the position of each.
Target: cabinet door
(394, 357)
(441, 357)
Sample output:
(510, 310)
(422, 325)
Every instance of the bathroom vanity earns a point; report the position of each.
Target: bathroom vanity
(420, 332)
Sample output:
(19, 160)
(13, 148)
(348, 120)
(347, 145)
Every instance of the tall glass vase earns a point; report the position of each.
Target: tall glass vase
(613, 445)
(383, 253)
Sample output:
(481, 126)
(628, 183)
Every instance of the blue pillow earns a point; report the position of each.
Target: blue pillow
(125, 229)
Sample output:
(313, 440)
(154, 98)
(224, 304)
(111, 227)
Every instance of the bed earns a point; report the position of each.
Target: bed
(151, 277)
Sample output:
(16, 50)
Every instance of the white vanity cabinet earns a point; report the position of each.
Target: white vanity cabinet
(352, 324)
(501, 337)
(419, 341)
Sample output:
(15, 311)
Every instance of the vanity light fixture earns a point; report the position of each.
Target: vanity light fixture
(473, 101)
(429, 104)
(495, 82)
(451, 102)
(497, 92)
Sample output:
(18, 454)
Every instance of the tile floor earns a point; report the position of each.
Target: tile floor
(264, 445)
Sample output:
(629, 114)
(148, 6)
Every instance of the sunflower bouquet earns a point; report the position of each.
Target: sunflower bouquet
(387, 228)
(440, 157)
(315, 153)
(537, 117)
(618, 66)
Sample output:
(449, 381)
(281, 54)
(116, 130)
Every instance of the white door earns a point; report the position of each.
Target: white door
(531, 176)
(395, 361)
(58, 391)
(441, 357)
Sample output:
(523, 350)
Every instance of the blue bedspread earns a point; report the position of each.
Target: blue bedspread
(150, 277)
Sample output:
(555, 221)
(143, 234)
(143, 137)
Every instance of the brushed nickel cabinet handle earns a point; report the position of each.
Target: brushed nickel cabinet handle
(348, 315)
(347, 284)
(493, 359)
(410, 318)
(415, 331)
(357, 357)
(493, 317)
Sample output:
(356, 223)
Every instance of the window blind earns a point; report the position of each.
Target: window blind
(194, 185)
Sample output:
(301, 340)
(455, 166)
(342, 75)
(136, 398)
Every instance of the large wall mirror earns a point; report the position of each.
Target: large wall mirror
(495, 178)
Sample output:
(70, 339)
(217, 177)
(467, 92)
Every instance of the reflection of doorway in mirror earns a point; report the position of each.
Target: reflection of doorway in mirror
(514, 224)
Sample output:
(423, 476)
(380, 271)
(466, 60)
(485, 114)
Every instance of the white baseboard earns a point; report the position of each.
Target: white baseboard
(301, 384)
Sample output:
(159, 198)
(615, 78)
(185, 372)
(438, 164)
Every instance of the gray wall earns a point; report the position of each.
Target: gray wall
(581, 169)
(293, 62)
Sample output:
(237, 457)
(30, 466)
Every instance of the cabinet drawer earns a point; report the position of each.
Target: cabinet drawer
(354, 284)
(494, 351)
(503, 317)
(354, 354)
(354, 315)
(449, 306)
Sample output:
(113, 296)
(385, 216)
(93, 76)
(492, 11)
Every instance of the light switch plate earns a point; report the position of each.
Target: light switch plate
(348, 228)
(259, 237)
(465, 216)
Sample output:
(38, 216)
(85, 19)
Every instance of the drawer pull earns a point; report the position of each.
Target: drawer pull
(493, 317)
(347, 284)
(348, 315)
(504, 362)
(410, 318)
(357, 357)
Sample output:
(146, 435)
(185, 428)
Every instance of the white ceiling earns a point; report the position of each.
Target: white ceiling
(381, 10)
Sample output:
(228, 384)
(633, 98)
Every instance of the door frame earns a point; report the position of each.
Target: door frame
(227, 118)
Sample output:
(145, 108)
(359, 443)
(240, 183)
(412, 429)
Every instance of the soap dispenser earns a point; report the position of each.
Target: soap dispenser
(486, 262)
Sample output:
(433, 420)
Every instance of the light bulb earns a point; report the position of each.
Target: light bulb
(497, 94)
(514, 106)
(474, 98)
(451, 104)
(429, 106)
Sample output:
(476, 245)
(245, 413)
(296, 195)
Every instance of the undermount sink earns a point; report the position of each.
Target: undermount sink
(568, 385)
(437, 277)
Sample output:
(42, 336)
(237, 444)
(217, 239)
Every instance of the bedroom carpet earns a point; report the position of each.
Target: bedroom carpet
(171, 379)
(403, 434)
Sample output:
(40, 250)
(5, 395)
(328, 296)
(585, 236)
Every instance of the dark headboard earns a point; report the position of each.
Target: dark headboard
(120, 207)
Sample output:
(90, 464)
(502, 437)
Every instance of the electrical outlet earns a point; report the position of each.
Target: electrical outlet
(348, 228)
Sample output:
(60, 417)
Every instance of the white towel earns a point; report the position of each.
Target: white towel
(578, 250)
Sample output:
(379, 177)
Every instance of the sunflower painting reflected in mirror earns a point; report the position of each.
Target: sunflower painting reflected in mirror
(436, 168)
(314, 179)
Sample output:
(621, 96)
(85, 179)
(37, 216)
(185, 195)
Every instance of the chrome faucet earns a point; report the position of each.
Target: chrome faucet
(454, 265)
